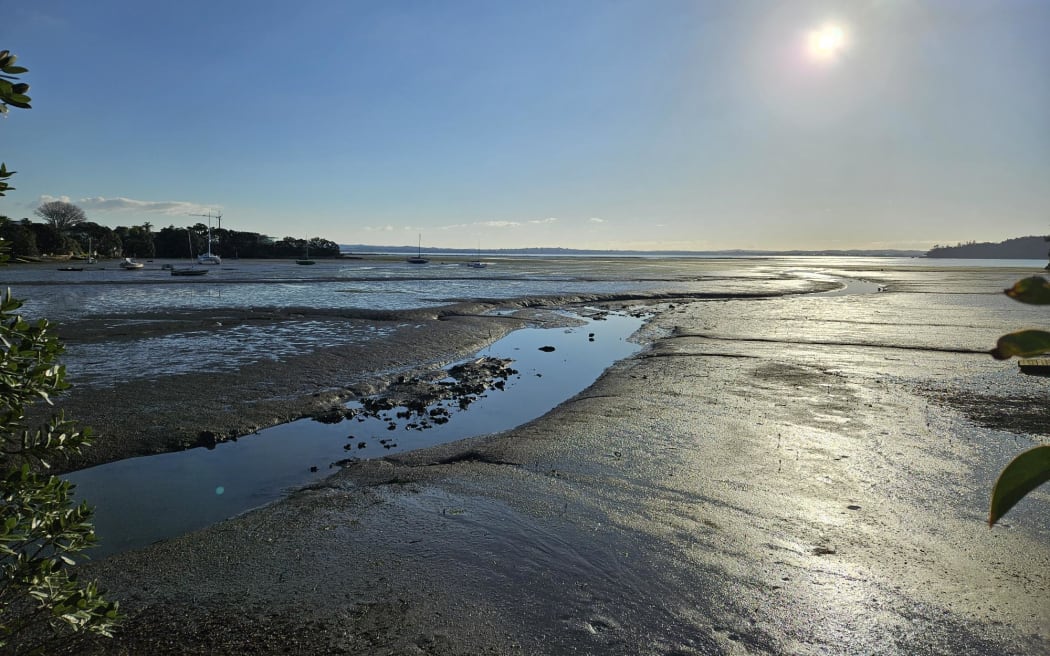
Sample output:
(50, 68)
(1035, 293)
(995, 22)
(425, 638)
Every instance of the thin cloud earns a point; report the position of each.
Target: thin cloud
(44, 198)
(549, 219)
(481, 224)
(120, 204)
(595, 219)
(386, 228)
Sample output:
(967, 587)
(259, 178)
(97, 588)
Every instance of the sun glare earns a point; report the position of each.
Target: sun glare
(827, 42)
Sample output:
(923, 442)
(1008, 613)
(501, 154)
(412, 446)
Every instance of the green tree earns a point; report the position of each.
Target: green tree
(21, 239)
(200, 237)
(1031, 468)
(171, 242)
(91, 236)
(136, 240)
(110, 245)
(61, 215)
(321, 247)
(151, 248)
(48, 239)
(41, 529)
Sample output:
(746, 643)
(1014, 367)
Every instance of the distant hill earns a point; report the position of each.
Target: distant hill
(1019, 248)
(368, 249)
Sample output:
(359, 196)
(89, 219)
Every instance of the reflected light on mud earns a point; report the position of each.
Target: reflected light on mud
(141, 500)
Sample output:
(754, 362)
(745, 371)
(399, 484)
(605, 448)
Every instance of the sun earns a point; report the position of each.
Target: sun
(827, 43)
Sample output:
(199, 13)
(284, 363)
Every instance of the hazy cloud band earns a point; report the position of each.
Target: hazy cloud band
(120, 204)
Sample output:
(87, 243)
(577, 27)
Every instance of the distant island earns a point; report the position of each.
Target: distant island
(366, 249)
(1019, 248)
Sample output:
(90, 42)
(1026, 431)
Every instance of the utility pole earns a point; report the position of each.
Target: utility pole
(211, 216)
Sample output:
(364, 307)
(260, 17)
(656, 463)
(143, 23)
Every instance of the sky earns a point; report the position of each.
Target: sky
(606, 124)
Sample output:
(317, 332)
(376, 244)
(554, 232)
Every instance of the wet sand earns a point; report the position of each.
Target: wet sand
(174, 412)
(795, 475)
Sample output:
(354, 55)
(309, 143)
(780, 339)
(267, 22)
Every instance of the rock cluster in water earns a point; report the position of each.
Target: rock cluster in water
(418, 403)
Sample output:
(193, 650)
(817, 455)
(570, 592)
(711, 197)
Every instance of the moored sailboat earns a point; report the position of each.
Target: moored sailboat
(418, 258)
(190, 270)
(209, 257)
(477, 263)
(305, 259)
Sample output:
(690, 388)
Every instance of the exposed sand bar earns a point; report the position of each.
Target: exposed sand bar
(793, 475)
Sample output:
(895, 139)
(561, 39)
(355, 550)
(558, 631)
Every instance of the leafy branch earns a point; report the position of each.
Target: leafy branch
(41, 528)
(1031, 468)
(13, 93)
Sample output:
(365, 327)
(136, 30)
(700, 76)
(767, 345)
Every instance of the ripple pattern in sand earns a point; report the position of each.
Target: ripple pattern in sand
(223, 349)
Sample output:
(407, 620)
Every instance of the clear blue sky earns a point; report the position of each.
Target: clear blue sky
(648, 124)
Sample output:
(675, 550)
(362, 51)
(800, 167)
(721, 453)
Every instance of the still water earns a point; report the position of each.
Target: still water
(392, 284)
(141, 500)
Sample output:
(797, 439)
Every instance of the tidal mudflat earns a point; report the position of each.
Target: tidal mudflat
(776, 471)
(518, 378)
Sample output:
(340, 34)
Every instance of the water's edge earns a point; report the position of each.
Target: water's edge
(142, 500)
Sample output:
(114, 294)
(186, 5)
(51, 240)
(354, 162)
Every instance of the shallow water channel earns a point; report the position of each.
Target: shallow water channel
(142, 500)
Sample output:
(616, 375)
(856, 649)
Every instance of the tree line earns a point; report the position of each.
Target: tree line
(1029, 248)
(65, 230)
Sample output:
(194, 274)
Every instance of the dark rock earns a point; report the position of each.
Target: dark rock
(208, 439)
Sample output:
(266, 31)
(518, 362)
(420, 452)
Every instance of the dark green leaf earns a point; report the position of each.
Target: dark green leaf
(1024, 343)
(1034, 291)
(1024, 473)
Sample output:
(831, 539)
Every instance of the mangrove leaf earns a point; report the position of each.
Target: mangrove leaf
(1034, 290)
(1023, 343)
(1024, 473)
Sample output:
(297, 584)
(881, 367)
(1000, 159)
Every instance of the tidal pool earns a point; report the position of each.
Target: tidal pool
(139, 501)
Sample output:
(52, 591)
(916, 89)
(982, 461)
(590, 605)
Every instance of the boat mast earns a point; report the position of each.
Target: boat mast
(210, 217)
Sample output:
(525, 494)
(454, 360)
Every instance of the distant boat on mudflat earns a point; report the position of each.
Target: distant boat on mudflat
(418, 258)
(209, 257)
(305, 259)
(188, 271)
(477, 263)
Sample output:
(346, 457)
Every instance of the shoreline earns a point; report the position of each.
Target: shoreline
(137, 418)
(232, 404)
(809, 492)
